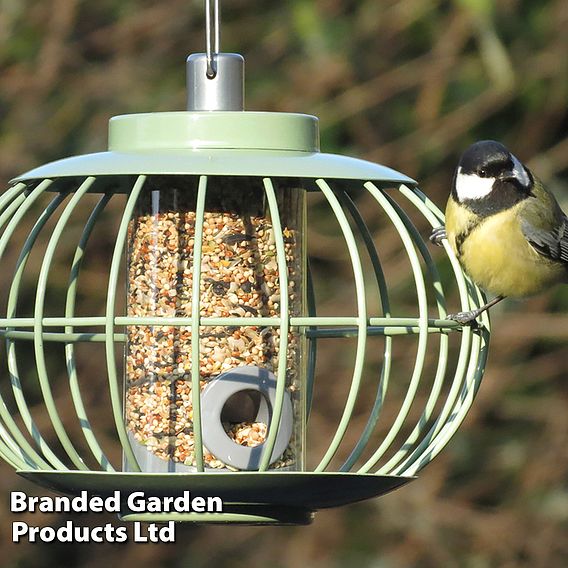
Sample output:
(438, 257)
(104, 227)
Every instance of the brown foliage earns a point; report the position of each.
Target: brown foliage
(406, 83)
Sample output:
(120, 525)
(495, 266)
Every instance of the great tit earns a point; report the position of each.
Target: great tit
(506, 229)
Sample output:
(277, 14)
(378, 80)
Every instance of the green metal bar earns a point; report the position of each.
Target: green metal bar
(10, 193)
(443, 347)
(373, 330)
(399, 421)
(331, 322)
(274, 424)
(10, 450)
(312, 342)
(361, 323)
(436, 323)
(422, 454)
(16, 322)
(185, 321)
(195, 332)
(435, 217)
(447, 427)
(388, 331)
(10, 200)
(56, 337)
(276, 321)
(11, 311)
(114, 389)
(473, 381)
(12, 208)
(80, 410)
(12, 453)
(387, 353)
(41, 289)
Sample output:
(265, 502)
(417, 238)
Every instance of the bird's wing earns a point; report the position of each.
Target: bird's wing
(550, 243)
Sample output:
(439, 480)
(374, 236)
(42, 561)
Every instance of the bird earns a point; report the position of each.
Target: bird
(505, 227)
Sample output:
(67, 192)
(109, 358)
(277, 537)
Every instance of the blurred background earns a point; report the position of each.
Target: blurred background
(409, 84)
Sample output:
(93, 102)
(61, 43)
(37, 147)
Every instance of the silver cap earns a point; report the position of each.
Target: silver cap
(225, 91)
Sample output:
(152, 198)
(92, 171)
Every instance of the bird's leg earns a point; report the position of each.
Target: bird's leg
(468, 318)
(437, 235)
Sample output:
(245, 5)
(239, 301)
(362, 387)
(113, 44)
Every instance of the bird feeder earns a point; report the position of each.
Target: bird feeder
(209, 350)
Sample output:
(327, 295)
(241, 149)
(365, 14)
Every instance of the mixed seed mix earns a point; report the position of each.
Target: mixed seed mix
(239, 278)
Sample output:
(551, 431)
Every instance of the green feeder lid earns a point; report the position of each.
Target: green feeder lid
(229, 143)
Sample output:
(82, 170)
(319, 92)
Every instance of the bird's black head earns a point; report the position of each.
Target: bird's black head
(489, 178)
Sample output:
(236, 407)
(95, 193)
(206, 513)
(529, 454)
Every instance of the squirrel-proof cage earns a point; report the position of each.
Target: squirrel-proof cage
(204, 214)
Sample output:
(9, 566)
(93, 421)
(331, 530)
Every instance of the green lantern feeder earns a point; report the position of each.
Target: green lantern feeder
(211, 239)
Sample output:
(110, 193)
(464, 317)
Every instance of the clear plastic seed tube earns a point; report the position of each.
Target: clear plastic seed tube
(238, 364)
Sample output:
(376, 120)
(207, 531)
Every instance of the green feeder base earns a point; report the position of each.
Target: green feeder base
(240, 513)
(248, 497)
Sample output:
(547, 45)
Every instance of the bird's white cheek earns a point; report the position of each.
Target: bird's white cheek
(471, 186)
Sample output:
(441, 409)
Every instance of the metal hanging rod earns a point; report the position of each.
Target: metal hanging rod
(215, 80)
(212, 35)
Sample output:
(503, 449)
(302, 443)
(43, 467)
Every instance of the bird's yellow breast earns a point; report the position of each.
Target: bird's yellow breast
(498, 257)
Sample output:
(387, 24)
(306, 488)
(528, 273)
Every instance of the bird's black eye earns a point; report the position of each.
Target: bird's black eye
(483, 172)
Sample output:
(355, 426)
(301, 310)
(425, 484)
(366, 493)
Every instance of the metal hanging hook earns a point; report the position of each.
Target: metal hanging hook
(212, 33)
(215, 80)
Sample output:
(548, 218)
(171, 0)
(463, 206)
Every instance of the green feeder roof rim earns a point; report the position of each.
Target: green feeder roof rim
(232, 143)
(264, 163)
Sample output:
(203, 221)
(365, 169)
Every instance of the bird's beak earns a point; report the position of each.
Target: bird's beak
(508, 175)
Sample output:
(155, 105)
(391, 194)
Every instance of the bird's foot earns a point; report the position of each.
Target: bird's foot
(438, 235)
(470, 317)
(466, 318)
